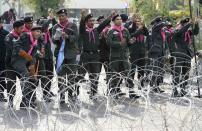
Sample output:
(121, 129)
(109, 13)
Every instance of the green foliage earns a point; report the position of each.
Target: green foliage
(146, 8)
(41, 6)
(152, 8)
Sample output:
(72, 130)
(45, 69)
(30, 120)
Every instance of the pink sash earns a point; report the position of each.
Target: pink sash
(120, 30)
(33, 43)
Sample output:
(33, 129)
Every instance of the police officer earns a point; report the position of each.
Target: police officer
(28, 23)
(119, 39)
(138, 31)
(23, 61)
(3, 34)
(89, 48)
(11, 74)
(183, 54)
(124, 18)
(157, 51)
(104, 47)
(45, 59)
(65, 35)
(171, 45)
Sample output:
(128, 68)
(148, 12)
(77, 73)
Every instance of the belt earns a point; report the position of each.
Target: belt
(92, 52)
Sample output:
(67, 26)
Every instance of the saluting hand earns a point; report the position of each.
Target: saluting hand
(191, 21)
(83, 13)
(112, 14)
(196, 20)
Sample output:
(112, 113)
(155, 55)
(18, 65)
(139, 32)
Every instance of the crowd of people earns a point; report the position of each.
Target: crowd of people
(122, 45)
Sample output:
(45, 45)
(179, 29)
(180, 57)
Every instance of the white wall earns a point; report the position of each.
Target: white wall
(3, 8)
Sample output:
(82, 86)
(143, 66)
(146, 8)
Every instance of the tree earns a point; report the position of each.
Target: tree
(41, 6)
(149, 8)
(152, 8)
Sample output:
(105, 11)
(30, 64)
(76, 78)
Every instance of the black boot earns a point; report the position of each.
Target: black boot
(2, 98)
(93, 92)
(62, 97)
(119, 92)
(132, 94)
(77, 90)
(10, 101)
(92, 95)
(25, 104)
(175, 93)
(48, 99)
(64, 106)
(157, 90)
(183, 92)
(112, 93)
(52, 94)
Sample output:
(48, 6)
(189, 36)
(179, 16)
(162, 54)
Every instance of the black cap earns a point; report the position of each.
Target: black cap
(88, 17)
(36, 28)
(18, 23)
(62, 11)
(100, 17)
(168, 19)
(168, 23)
(124, 17)
(114, 17)
(28, 19)
(44, 23)
(156, 20)
(185, 20)
(11, 10)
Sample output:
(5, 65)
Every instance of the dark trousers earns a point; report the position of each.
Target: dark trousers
(2, 79)
(67, 78)
(181, 71)
(119, 70)
(11, 76)
(172, 64)
(156, 67)
(80, 72)
(28, 84)
(91, 63)
(45, 74)
(138, 62)
(80, 77)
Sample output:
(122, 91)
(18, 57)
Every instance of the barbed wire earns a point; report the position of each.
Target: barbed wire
(152, 111)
